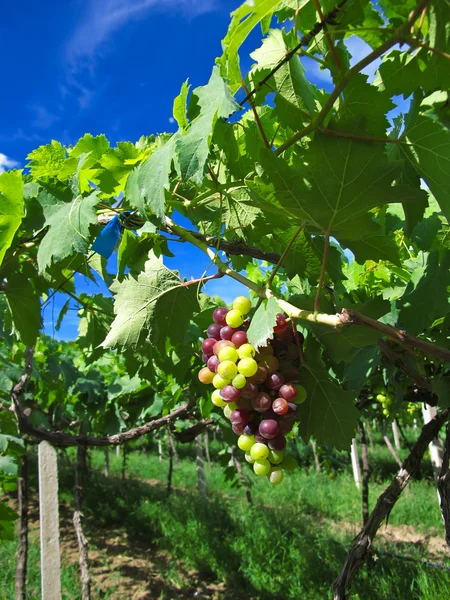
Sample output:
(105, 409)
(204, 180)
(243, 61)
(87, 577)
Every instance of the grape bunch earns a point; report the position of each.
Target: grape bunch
(256, 387)
(386, 401)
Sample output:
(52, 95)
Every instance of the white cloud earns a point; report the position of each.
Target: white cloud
(7, 163)
(43, 118)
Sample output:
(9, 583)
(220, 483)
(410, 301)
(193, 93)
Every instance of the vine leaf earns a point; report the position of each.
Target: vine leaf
(374, 246)
(361, 367)
(25, 308)
(215, 101)
(11, 208)
(155, 304)
(180, 106)
(69, 227)
(263, 322)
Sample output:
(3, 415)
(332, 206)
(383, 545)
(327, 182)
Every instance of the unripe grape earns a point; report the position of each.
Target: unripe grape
(261, 466)
(222, 344)
(228, 409)
(213, 363)
(229, 393)
(249, 459)
(242, 304)
(289, 463)
(213, 331)
(280, 406)
(276, 475)
(269, 429)
(239, 338)
(228, 354)
(381, 398)
(262, 402)
(259, 451)
(227, 332)
(302, 394)
(219, 382)
(247, 366)
(275, 457)
(234, 318)
(205, 375)
(246, 351)
(219, 315)
(208, 346)
(277, 443)
(227, 369)
(239, 381)
(217, 400)
(245, 442)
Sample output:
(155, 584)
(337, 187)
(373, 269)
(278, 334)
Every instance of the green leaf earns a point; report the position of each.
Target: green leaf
(7, 518)
(365, 361)
(8, 465)
(25, 308)
(425, 232)
(179, 106)
(11, 208)
(62, 314)
(263, 322)
(215, 102)
(88, 144)
(398, 73)
(69, 227)
(302, 258)
(46, 161)
(374, 246)
(245, 18)
(155, 304)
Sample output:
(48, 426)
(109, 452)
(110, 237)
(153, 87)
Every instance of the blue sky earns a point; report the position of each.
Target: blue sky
(112, 67)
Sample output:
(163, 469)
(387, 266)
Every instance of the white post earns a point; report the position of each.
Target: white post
(49, 522)
(435, 447)
(160, 450)
(117, 451)
(355, 464)
(396, 433)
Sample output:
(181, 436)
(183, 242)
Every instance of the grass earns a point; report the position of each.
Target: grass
(286, 546)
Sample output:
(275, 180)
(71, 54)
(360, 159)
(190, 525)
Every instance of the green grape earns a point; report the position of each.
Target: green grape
(217, 400)
(261, 467)
(228, 354)
(289, 463)
(219, 382)
(239, 382)
(247, 367)
(227, 369)
(228, 409)
(259, 451)
(381, 398)
(242, 304)
(275, 456)
(276, 475)
(234, 318)
(302, 394)
(246, 351)
(385, 412)
(205, 375)
(249, 459)
(245, 442)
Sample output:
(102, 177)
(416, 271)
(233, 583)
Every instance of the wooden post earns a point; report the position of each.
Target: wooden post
(316, 456)
(355, 464)
(106, 469)
(49, 522)
(200, 466)
(22, 546)
(435, 446)
(396, 433)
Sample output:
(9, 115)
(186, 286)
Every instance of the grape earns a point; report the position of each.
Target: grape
(213, 363)
(285, 425)
(239, 338)
(275, 457)
(292, 352)
(277, 443)
(205, 375)
(280, 406)
(291, 374)
(219, 315)
(208, 345)
(237, 429)
(249, 459)
(217, 400)
(263, 350)
(270, 363)
(285, 334)
(251, 428)
(242, 304)
(226, 333)
(247, 367)
(292, 411)
(276, 475)
(260, 375)
(246, 351)
(239, 381)
(213, 331)
(269, 429)
(228, 354)
(274, 381)
(258, 451)
(222, 344)
(280, 318)
(219, 382)
(288, 391)
(269, 414)
(302, 394)
(229, 393)
(245, 442)
(228, 409)
(262, 402)
(239, 416)
(245, 403)
(289, 463)
(234, 318)
(261, 467)
(250, 390)
(226, 369)
(260, 439)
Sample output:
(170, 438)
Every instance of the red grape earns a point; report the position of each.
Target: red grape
(250, 390)
(213, 331)
(251, 428)
(239, 416)
(270, 363)
(288, 392)
(269, 414)
(292, 411)
(221, 344)
(286, 425)
(260, 375)
(269, 429)
(239, 338)
(277, 443)
(280, 406)
(226, 333)
(213, 363)
(274, 381)
(229, 393)
(262, 402)
(219, 315)
(238, 429)
(204, 358)
(260, 439)
(208, 345)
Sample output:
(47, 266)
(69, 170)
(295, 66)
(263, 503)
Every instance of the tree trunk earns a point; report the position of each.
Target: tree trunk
(169, 476)
(363, 541)
(172, 445)
(124, 461)
(369, 434)
(396, 432)
(206, 442)
(200, 466)
(366, 472)
(355, 464)
(106, 469)
(443, 485)
(435, 447)
(22, 546)
(316, 456)
(83, 561)
(242, 477)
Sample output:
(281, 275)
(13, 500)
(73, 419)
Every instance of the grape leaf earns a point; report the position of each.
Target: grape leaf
(88, 144)
(374, 246)
(46, 161)
(263, 322)
(155, 304)
(179, 106)
(11, 208)
(360, 368)
(69, 227)
(25, 308)
(215, 102)
(398, 73)
(7, 525)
